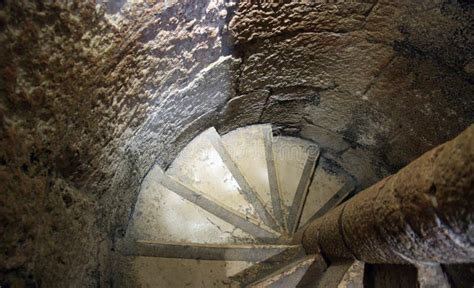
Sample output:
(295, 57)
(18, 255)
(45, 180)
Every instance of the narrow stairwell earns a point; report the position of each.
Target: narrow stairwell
(227, 210)
(231, 209)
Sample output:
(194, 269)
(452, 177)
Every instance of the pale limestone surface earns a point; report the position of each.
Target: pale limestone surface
(155, 272)
(247, 148)
(290, 157)
(324, 185)
(200, 166)
(164, 216)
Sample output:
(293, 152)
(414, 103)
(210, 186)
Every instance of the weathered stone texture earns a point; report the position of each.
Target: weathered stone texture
(243, 110)
(74, 90)
(93, 95)
(422, 214)
(259, 21)
(373, 64)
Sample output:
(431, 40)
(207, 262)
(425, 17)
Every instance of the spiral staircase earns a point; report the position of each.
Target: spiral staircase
(228, 212)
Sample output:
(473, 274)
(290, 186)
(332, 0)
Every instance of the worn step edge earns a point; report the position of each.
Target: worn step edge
(224, 252)
(269, 266)
(272, 176)
(225, 213)
(285, 271)
(251, 196)
(303, 186)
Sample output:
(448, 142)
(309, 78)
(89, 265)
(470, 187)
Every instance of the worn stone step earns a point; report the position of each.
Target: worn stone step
(245, 188)
(290, 157)
(162, 215)
(288, 276)
(337, 198)
(330, 278)
(202, 168)
(139, 271)
(273, 178)
(354, 277)
(303, 187)
(326, 192)
(248, 148)
(431, 275)
(218, 209)
(226, 252)
(264, 268)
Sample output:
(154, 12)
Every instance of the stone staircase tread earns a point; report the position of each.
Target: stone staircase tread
(287, 276)
(273, 177)
(247, 148)
(225, 252)
(334, 201)
(290, 157)
(230, 216)
(302, 190)
(327, 181)
(264, 268)
(354, 276)
(162, 215)
(201, 167)
(251, 196)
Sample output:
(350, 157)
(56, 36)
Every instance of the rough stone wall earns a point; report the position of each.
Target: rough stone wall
(93, 95)
(389, 74)
(50, 59)
(76, 84)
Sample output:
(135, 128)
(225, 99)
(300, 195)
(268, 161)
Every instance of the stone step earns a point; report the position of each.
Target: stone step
(324, 193)
(330, 278)
(332, 202)
(218, 209)
(179, 272)
(314, 272)
(245, 188)
(264, 268)
(272, 177)
(162, 215)
(431, 275)
(295, 162)
(303, 188)
(288, 276)
(248, 148)
(202, 168)
(226, 252)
